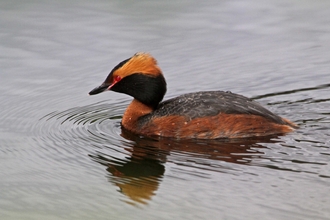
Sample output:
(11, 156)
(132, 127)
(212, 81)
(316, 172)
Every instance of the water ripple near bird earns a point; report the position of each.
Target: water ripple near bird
(132, 161)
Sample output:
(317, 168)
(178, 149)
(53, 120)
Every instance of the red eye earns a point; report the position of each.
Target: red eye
(117, 79)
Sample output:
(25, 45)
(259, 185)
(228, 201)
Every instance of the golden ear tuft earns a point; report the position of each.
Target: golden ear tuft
(139, 63)
(143, 56)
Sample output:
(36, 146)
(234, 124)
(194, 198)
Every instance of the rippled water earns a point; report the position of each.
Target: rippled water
(64, 155)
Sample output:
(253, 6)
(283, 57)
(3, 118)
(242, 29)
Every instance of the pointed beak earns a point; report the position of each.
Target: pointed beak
(99, 89)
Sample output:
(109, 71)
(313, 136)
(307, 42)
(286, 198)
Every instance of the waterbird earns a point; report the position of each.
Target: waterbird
(197, 115)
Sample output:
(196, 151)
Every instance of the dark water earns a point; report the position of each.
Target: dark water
(64, 156)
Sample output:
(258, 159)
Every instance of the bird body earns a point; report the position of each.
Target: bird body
(200, 115)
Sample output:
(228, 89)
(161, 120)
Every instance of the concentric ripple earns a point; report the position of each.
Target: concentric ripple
(90, 119)
(137, 164)
(73, 136)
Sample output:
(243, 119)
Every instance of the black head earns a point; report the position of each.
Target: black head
(138, 76)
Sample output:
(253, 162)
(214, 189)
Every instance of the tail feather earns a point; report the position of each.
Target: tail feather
(290, 123)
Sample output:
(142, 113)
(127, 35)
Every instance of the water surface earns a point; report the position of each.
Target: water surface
(64, 155)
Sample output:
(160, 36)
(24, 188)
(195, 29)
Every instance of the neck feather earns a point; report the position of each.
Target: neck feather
(133, 112)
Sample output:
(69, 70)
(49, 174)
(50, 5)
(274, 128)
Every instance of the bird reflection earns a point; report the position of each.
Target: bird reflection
(139, 175)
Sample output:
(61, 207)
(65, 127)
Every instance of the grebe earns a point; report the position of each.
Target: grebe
(200, 115)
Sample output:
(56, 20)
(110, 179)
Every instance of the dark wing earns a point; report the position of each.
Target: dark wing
(210, 103)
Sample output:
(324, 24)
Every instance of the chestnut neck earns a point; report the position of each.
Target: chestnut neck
(133, 112)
